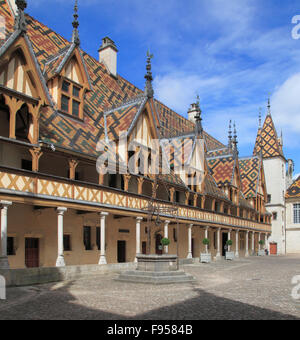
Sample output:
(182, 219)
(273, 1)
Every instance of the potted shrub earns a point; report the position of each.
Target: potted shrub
(261, 251)
(229, 254)
(165, 242)
(205, 257)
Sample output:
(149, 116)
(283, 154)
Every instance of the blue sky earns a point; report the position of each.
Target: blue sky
(233, 53)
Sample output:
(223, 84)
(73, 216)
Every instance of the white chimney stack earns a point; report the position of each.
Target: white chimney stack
(108, 55)
(193, 112)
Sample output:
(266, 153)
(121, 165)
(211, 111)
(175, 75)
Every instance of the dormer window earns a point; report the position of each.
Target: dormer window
(71, 99)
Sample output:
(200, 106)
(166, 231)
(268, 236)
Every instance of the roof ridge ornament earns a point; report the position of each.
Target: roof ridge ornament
(230, 135)
(75, 24)
(20, 20)
(269, 107)
(198, 119)
(149, 92)
(235, 141)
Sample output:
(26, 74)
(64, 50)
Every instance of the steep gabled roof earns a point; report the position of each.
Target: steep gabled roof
(267, 141)
(294, 190)
(50, 50)
(250, 169)
(222, 169)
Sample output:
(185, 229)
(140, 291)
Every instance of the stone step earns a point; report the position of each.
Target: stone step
(156, 277)
(156, 280)
(154, 274)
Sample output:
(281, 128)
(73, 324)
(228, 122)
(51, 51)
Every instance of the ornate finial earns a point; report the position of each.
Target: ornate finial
(230, 135)
(75, 24)
(198, 119)
(269, 107)
(20, 21)
(235, 141)
(259, 119)
(149, 89)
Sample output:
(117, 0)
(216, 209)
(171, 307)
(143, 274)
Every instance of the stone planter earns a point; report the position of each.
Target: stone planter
(261, 253)
(205, 258)
(229, 255)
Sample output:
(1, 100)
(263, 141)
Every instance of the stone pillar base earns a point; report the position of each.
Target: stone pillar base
(60, 262)
(190, 256)
(237, 255)
(247, 255)
(218, 257)
(102, 259)
(4, 262)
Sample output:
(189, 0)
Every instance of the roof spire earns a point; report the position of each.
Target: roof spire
(198, 119)
(75, 24)
(149, 78)
(20, 21)
(230, 136)
(260, 119)
(235, 141)
(269, 107)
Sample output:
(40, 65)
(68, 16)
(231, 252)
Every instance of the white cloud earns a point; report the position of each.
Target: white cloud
(286, 109)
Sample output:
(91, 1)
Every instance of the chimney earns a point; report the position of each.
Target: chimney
(193, 111)
(108, 55)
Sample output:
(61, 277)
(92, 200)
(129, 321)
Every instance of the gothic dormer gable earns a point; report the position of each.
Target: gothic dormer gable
(68, 81)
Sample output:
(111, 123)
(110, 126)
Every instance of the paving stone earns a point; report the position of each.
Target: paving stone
(252, 288)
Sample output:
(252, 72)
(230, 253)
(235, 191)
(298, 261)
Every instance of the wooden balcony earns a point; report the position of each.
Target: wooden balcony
(40, 189)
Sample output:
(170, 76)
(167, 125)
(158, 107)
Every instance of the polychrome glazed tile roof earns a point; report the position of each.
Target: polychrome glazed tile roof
(267, 140)
(250, 173)
(222, 169)
(212, 189)
(294, 190)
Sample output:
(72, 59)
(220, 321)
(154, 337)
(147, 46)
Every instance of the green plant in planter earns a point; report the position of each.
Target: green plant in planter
(229, 243)
(206, 242)
(262, 243)
(165, 242)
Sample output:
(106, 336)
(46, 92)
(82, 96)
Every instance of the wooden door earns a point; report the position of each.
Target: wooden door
(32, 252)
(121, 251)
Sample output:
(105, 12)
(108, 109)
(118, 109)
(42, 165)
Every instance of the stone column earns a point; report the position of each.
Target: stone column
(206, 236)
(166, 235)
(219, 245)
(102, 259)
(190, 254)
(3, 256)
(138, 237)
(253, 244)
(237, 244)
(60, 262)
(247, 244)
(229, 239)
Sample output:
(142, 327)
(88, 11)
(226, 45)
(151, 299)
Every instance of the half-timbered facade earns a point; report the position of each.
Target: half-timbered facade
(65, 118)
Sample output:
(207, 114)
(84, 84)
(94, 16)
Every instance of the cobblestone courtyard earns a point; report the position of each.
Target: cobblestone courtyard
(254, 288)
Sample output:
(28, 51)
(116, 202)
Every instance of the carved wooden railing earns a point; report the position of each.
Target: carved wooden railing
(20, 182)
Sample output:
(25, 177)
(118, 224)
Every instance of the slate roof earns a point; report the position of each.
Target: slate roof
(294, 190)
(250, 173)
(267, 140)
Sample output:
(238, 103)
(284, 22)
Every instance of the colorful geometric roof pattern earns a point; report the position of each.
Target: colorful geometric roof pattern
(219, 152)
(7, 30)
(267, 140)
(212, 189)
(120, 119)
(250, 169)
(294, 190)
(222, 169)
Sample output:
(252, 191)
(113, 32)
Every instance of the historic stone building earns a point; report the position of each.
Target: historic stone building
(64, 117)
